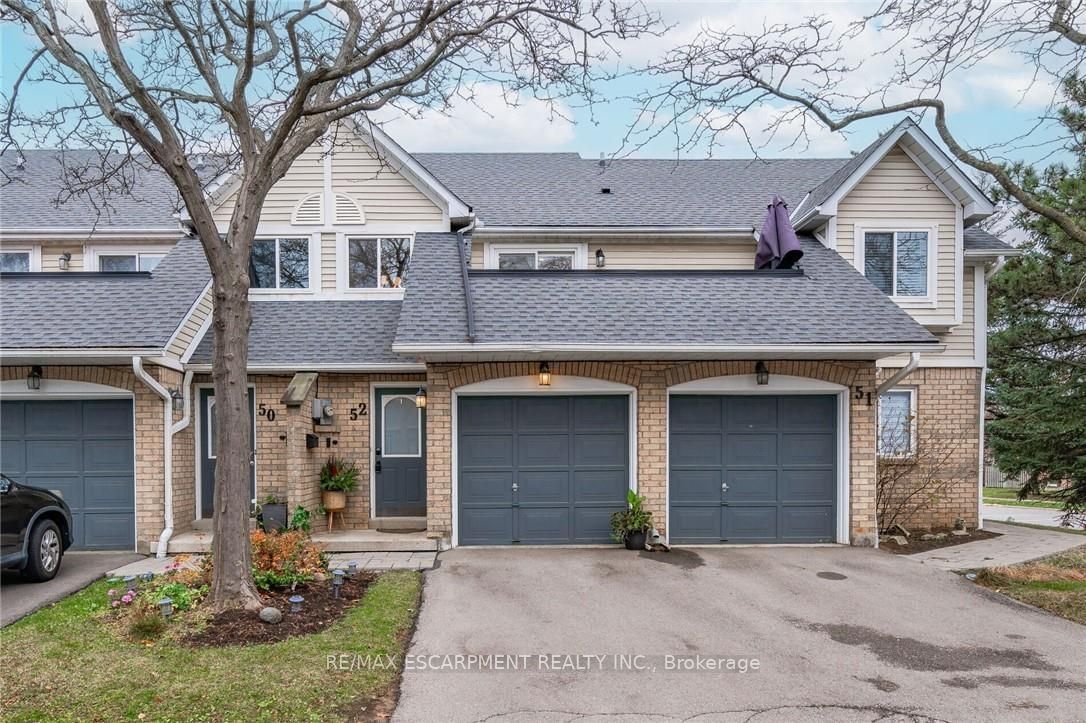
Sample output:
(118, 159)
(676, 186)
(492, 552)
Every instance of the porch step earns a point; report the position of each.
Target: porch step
(187, 543)
(204, 524)
(399, 524)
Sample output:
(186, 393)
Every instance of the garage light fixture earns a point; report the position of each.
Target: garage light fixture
(33, 379)
(420, 398)
(64, 261)
(761, 373)
(544, 374)
(178, 400)
(601, 260)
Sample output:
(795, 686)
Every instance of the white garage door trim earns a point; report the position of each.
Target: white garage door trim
(561, 385)
(740, 384)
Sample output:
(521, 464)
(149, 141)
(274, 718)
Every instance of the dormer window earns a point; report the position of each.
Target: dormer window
(535, 258)
(279, 263)
(899, 261)
(378, 263)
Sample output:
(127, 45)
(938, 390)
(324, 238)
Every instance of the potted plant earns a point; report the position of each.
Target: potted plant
(632, 525)
(338, 477)
(273, 514)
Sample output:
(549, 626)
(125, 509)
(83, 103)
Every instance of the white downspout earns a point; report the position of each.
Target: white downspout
(914, 362)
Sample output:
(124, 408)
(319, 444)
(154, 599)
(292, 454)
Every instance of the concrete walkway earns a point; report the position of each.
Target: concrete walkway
(19, 598)
(1015, 544)
(1029, 515)
(372, 561)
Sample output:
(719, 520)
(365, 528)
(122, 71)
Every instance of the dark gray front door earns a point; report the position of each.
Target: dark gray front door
(209, 455)
(399, 435)
(81, 449)
(541, 469)
(753, 468)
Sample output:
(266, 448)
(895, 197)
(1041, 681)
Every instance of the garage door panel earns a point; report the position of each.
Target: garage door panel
(600, 414)
(543, 525)
(752, 485)
(696, 524)
(102, 530)
(108, 418)
(750, 524)
(485, 414)
(603, 450)
(543, 450)
(750, 413)
(696, 449)
(808, 523)
(486, 526)
(600, 486)
(543, 486)
(12, 456)
(802, 449)
(69, 487)
(486, 451)
(696, 485)
(107, 455)
(695, 414)
(807, 412)
(54, 455)
(593, 524)
(11, 420)
(808, 485)
(750, 449)
(543, 414)
(54, 419)
(493, 488)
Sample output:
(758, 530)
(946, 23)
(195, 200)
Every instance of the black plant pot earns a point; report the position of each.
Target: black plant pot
(635, 540)
(273, 517)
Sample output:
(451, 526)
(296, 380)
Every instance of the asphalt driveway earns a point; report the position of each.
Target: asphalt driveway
(837, 633)
(19, 598)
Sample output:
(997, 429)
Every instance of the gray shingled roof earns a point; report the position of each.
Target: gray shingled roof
(73, 311)
(977, 239)
(36, 195)
(831, 303)
(319, 331)
(563, 189)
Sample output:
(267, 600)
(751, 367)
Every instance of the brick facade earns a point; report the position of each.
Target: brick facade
(948, 421)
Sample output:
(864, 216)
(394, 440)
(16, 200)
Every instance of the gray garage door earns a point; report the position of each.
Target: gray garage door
(541, 470)
(83, 450)
(753, 468)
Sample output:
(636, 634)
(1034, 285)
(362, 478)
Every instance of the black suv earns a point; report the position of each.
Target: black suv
(35, 529)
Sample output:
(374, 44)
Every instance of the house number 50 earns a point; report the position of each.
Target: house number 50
(267, 412)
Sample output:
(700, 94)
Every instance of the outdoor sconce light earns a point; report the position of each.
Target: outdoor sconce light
(601, 260)
(64, 260)
(544, 374)
(33, 379)
(761, 372)
(130, 583)
(296, 603)
(178, 400)
(337, 582)
(420, 398)
(165, 606)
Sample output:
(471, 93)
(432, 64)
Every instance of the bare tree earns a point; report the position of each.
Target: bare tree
(710, 86)
(257, 83)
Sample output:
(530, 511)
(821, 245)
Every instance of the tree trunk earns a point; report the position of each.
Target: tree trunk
(232, 581)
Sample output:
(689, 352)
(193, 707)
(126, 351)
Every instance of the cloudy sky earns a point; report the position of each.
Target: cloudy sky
(996, 101)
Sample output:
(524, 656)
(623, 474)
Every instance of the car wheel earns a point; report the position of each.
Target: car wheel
(44, 552)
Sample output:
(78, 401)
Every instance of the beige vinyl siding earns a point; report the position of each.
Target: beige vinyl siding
(306, 176)
(667, 255)
(896, 189)
(50, 257)
(384, 194)
(478, 255)
(186, 334)
(328, 263)
(960, 341)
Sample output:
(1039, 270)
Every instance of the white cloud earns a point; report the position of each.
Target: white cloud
(488, 122)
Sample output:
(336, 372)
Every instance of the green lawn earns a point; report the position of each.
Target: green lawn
(1003, 496)
(1056, 583)
(62, 663)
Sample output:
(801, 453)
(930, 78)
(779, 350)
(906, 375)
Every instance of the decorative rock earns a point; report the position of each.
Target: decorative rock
(927, 536)
(272, 616)
(959, 533)
(940, 536)
(899, 539)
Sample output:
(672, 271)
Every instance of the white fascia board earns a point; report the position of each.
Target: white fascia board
(615, 231)
(107, 355)
(991, 254)
(328, 368)
(644, 351)
(192, 309)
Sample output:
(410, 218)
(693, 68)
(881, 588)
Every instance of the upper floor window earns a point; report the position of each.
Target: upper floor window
(279, 263)
(897, 262)
(897, 423)
(14, 261)
(378, 263)
(129, 261)
(535, 258)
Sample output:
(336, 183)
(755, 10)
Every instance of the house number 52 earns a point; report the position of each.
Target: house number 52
(360, 410)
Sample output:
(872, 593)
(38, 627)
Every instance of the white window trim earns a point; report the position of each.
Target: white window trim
(862, 228)
(314, 266)
(492, 250)
(915, 423)
(343, 274)
(93, 252)
(384, 428)
(34, 252)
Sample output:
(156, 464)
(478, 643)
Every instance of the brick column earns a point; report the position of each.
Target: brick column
(863, 419)
(439, 441)
(652, 443)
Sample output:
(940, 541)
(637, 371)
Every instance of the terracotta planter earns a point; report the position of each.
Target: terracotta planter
(334, 499)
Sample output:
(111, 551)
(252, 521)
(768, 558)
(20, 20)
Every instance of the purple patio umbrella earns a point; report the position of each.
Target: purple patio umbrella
(778, 247)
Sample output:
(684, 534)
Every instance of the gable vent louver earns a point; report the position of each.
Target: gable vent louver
(309, 211)
(348, 211)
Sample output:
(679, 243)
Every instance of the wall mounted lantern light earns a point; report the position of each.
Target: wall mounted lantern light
(601, 259)
(33, 379)
(544, 374)
(64, 260)
(178, 400)
(420, 398)
(761, 372)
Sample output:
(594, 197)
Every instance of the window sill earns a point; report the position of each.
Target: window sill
(374, 293)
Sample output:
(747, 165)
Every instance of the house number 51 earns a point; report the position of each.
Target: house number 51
(860, 394)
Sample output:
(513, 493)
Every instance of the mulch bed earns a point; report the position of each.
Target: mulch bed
(320, 609)
(917, 545)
